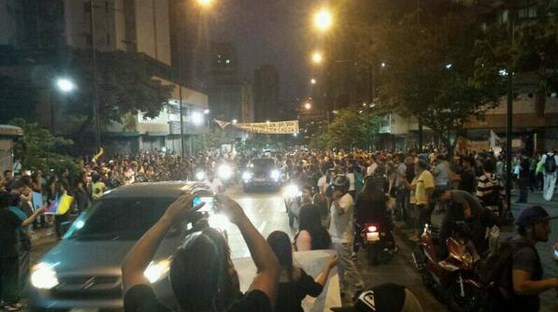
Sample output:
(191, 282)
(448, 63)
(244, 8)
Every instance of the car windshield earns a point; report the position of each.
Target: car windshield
(119, 218)
(264, 163)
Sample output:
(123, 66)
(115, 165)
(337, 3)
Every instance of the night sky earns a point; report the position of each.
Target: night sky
(269, 32)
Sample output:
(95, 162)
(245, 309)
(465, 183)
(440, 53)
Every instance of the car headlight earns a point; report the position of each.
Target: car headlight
(291, 191)
(200, 175)
(156, 270)
(43, 276)
(246, 176)
(275, 174)
(224, 172)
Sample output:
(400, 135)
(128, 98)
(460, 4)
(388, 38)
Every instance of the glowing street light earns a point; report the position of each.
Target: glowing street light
(308, 106)
(197, 118)
(234, 121)
(323, 20)
(65, 85)
(313, 81)
(317, 57)
(205, 3)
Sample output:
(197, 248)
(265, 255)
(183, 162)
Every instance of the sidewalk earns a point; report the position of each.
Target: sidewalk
(549, 300)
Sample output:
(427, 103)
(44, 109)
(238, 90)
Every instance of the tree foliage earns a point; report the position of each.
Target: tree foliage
(125, 84)
(351, 128)
(38, 149)
(430, 71)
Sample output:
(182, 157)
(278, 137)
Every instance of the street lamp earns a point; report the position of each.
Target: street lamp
(205, 3)
(323, 20)
(308, 106)
(197, 118)
(317, 57)
(313, 81)
(65, 85)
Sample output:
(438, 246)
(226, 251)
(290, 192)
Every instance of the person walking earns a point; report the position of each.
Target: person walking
(549, 161)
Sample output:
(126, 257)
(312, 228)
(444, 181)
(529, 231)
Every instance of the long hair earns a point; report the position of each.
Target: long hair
(281, 245)
(310, 220)
(196, 272)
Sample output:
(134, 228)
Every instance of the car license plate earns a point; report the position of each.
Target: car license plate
(373, 236)
(259, 179)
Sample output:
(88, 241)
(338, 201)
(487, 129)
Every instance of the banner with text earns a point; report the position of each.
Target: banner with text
(275, 127)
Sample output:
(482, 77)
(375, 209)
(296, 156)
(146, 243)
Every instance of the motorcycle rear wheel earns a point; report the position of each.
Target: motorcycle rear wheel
(469, 303)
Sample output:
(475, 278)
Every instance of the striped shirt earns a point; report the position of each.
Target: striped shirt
(486, 186)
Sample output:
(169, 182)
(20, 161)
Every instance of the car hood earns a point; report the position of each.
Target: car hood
(73, 257)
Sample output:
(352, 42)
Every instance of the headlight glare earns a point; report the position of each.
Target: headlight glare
(156, 270)
(292, 191)
(275, 174)
(44, 276)
(224, 172)
(200, 175)
(246, 176)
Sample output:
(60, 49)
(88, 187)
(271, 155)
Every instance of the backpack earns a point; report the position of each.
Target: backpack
(550, 163)
(495, 272)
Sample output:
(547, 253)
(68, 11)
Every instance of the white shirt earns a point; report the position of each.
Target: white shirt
(543, 160)
(322, 183)
(341, 226)
(371, 169)
(351, 178)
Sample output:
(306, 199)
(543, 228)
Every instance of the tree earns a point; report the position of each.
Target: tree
(17, 100)
(125, 84)
(351, 128)
(526, 47)
(430, 69)
(38, 149)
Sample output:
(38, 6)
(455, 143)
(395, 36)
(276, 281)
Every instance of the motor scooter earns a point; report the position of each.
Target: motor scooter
(452, 280)
(377, 240)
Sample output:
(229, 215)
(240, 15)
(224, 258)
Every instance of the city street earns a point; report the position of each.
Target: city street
(267, 212)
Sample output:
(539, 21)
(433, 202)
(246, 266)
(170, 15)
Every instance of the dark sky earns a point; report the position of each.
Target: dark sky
(268, 32)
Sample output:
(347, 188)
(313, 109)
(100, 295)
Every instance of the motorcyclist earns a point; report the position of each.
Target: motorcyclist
(466, 218)
(371, 206)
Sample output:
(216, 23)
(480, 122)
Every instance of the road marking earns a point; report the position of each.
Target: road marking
(262, 227)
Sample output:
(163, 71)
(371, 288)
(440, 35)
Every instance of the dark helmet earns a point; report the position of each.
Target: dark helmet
(342, 182)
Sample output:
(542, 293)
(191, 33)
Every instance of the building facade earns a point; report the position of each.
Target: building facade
(266, 93)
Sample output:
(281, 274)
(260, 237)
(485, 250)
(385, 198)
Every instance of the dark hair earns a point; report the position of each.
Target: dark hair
(281, 245)
(196, 270)
(488, 165)
(310, 220)
(6, 199)
(422, 164)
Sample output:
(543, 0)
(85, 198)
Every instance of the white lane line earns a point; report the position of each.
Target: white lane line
(262, 227)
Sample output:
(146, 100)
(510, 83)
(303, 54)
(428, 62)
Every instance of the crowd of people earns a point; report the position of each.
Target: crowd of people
(342, 190)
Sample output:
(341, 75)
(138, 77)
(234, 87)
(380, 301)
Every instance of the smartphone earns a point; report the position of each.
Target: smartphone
(196, 201)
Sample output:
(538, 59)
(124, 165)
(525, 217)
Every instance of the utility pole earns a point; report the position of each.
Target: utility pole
(509, 112)
(95, 98)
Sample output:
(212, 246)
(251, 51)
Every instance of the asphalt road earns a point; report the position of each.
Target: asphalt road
(267, 212)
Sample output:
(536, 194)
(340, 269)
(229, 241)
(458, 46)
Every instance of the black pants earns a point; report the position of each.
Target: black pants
(24, 265)
(58, 220)
(9, 275)
(425, 212)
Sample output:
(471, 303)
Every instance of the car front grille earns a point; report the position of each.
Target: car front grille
(88, 286)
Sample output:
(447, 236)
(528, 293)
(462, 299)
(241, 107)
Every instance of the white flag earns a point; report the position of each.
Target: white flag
(495, 143)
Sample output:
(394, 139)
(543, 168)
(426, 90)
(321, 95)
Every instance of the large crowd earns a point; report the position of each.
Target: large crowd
(342, 190)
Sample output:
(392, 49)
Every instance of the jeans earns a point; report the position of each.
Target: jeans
(402, 202)
(349, 277)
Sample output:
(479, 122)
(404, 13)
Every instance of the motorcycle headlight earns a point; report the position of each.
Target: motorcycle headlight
(292, 191)
(224, 172)
(43, 276)
(156, 270)
(275, 174)
(200, 175)
(246, 176)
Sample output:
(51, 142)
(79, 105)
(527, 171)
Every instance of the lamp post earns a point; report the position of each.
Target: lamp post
(95, 98)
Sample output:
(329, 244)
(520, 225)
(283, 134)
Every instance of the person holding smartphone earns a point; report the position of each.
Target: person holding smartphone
(201, 273)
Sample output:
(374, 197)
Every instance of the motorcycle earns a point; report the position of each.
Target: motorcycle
(377, 240)
(453, 279)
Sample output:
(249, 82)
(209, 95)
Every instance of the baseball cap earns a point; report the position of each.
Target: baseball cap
(383, 298)
(532, 215)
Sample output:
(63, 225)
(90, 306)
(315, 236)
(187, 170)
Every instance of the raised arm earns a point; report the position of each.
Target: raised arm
(267, 278)
(139, 257)
(32, 218)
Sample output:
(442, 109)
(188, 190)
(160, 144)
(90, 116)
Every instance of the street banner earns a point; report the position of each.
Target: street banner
(313, 263)
(275, 127)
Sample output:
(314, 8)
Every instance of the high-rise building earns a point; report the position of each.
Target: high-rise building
(266, 93)
(229, 96)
